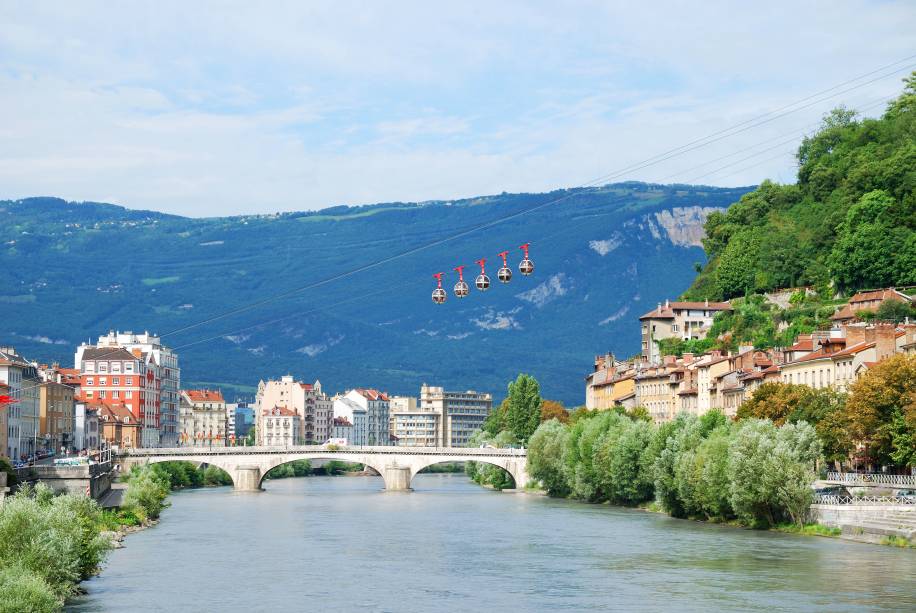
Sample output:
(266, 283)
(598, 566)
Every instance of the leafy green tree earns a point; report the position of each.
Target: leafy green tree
(24, 590)
(864, 252)
(617, 462)
(546, 450)
(895, 311)
(147, 491)
(881, 410)
(523, 414)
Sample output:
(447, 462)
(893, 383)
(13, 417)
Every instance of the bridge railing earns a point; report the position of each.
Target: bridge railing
(864, 500)
(323, 449)
(872, 479)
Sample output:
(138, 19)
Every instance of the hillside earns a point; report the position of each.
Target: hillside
(73, 270)
(849, 221)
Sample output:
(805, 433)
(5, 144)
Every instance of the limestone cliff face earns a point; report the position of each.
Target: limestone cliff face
(684, 225)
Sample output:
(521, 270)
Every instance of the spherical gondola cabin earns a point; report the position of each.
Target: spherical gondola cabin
(439, 294)
(461, 288)
(483, 281)
(504, 274)
(526, 266)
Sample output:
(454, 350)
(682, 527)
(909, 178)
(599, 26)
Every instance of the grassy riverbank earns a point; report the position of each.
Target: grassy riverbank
(52, 543)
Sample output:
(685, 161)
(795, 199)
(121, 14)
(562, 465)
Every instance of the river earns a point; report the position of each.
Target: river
(340, 544)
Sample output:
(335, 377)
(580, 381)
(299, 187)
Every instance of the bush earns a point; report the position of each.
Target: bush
(7, 467)
(147, 490)
(23, 590)
(55, 538)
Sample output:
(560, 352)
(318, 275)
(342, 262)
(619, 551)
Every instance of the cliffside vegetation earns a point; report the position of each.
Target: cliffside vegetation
(848, 223)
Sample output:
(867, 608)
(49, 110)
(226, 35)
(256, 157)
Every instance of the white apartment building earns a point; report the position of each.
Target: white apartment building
(85, 427)
(377, 407)
(23, 414)
(683, 320)
(307, 399)
(280, 426)
(459, 413)
(203, 416)
(351, 418)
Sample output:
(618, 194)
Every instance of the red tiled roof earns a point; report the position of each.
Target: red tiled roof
(688, 392)
(370, 394)
(879, 294)
(281, 412)
(803, 344)
(667, 312)
(204, 395)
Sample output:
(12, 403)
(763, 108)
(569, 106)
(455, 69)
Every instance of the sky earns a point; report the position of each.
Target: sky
(224, 108)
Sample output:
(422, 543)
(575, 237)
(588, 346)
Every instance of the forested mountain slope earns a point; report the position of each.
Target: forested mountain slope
(850, 220)
(70, 271)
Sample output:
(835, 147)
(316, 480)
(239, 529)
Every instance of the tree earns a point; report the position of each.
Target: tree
(617, 462)
(867, 242)
(552, 409)
(895, 311)
(882, 410)
(546, 449)
(523, 414)
(496, 420)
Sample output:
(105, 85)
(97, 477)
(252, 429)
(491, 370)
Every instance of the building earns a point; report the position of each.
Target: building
(163, 362)
(376, 406)
(280, 426)
(352, 413)
(411, 426)
(460, 413)
(4, 419)
(341, 429)
(86, 433)
(867, 301)
(56, 415)
(202, 416)
(23, 413)
(118, 426)
(681, 320)
(243, 418)
(314, 407)
(114, 375)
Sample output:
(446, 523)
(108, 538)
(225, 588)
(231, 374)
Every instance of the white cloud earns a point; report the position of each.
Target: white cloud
(301, 106)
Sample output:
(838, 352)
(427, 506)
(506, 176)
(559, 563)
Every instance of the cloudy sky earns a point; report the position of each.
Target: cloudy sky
(241, 107)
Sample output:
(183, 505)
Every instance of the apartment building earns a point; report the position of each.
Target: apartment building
(56, 415)
(314, 407)
(350, 419)
(118, 425)
(280, 426)
(115, 375)
(23, 412)
(460, 413)
(202, 416)
(86, 432)
(868, 301)
(163, 362)
(682, 320)
(377, 408)
(412, 427)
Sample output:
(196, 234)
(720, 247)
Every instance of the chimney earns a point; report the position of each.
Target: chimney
(667, 304)
(715, 353)
(687, 357)
(670, 360)
(659, 307)
(885, 341)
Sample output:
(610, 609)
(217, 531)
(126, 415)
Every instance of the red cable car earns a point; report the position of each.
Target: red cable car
(504, 274)
(461, 288)
(483, 281)
(526, 266)
(439, 293)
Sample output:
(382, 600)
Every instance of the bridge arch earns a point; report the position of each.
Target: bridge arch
(197, 462)
(508, 464)
(267, 467)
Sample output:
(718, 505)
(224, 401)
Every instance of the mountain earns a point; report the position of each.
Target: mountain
(70, 271)
(848, 223)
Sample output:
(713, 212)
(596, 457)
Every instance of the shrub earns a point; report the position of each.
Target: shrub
(23, 590)
(147, 490)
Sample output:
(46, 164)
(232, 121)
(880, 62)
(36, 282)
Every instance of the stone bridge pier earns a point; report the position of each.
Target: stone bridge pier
(397, 465)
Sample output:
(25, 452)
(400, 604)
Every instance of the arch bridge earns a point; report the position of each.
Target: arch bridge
(397, 465)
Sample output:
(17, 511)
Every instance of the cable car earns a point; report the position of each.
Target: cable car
(439, 293)
(461, 288)
(483, 281)
(504, 274)
(526, 266)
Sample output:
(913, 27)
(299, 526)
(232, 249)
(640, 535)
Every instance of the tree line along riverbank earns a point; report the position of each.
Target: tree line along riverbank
(749, 472)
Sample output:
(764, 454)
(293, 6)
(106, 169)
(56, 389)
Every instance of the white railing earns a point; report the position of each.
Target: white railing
(863, 500)
(324, 450)
(872, 479)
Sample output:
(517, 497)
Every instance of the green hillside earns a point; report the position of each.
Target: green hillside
(849, 221)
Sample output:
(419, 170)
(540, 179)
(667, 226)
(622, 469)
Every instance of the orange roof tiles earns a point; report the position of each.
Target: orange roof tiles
(205, 395)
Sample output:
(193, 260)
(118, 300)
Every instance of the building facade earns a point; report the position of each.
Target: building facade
(681, 320)
(202, 416)
(314, 407)
(376, 406)
(86, 434)
(56, 415)
(280, 426)
(114, 375)
(22, 413)
(350, 412)
(460, 414)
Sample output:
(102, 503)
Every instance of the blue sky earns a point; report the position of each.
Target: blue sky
(239, 107)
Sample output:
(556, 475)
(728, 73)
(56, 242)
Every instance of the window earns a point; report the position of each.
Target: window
(89, 366)
(116, 380)
(128, 394)
(116, 394)
(115, 367)
(129, 367)
(103, 366)
(89, 393)
(103, 381)
(101, 393)
(89, 381)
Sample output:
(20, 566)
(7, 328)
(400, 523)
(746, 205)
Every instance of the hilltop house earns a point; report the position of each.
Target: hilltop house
(683, 320)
